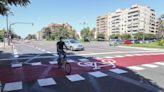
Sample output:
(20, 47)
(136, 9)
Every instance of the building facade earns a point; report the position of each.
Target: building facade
(132, 20)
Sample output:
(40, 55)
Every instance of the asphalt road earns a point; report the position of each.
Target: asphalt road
(138, 70)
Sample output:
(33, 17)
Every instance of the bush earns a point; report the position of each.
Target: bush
(161, 43)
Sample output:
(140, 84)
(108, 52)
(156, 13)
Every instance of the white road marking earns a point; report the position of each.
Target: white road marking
(49, 52)
(83, 60)
(136, 68)
(43, 50)
(46, 82)
(150, 65)
(137, 54)
(70, 60)
(128, 55)
(159, 63)
(97, 58)
(37, 63)
(53, 62)
(97, 74)
(108, 57)
(15, 52)
(118, 71)
(75, 77)
(16, 65)
(118, 56)
(104, 53)
(13, 86)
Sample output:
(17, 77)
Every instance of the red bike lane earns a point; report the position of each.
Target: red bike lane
(30, 73)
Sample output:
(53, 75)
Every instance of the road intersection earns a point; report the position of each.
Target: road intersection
(33, 68)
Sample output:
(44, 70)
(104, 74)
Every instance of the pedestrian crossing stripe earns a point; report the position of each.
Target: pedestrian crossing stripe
(83, 59)
(108, 57)
(36, 63)
(159, 63)
(97, 74)
(53, 62)
(150, 65)
(118, 71)
(118, 56)
(75, 77)
(46, 82)
(136, 68)
(16, 65)
(13, 86)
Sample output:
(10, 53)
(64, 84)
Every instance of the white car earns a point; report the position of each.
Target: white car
(73, 44)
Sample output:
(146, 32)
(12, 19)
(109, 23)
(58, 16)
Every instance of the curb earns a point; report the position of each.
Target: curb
(141, 48)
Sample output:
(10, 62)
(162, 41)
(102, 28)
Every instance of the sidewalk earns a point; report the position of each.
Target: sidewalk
(5, 52)
(142, 48)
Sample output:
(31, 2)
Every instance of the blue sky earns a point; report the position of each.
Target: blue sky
(75, 12)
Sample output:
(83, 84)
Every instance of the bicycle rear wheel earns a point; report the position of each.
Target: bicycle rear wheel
(67, 68)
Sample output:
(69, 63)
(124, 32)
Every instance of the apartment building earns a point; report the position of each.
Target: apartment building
(131, 20)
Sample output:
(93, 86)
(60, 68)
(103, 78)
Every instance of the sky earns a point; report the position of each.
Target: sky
(74, 12)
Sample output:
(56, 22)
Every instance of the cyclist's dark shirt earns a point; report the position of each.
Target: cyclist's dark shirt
(60, 46)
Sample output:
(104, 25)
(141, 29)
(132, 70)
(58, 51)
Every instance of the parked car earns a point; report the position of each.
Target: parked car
(115, 42)
(127, 42)
(73, 44)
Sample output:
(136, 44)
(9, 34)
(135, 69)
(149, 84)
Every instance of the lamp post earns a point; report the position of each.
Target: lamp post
(7, 24)
(10, 33)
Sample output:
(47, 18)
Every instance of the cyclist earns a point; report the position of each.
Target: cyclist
(60, 51)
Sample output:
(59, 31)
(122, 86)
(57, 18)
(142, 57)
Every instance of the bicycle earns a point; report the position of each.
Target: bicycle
(64, 64)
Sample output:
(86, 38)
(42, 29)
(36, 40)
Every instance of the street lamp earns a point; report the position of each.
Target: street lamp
(9, 32)
(7, 22)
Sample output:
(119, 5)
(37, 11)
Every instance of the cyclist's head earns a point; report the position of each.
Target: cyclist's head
(61, 38)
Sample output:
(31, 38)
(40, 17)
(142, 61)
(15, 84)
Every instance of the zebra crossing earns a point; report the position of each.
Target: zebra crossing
(77, 77)
(14, 86)
(145, 66)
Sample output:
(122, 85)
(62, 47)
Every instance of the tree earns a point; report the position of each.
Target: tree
(125, 36)
(2, 35)
(30, 37)
(4, 5)
(139, 36)
(115, 36)
(150, 36)
(160, 34)
(92, 34)
(85, 33)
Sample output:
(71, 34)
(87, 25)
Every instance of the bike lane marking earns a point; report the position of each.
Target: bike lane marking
(29, 73)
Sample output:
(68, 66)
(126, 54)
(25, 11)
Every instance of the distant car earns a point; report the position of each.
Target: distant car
(115, 42)
(127, 42)
(27, 41)
(73, 44)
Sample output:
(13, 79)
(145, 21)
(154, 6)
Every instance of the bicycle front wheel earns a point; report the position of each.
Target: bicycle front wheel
(67, 68)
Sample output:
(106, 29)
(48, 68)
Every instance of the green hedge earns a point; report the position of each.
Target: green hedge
(161, 43)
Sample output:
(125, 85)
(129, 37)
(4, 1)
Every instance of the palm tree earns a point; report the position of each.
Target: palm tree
(4, 5)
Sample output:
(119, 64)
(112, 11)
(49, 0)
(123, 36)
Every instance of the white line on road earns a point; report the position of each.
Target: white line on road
(159, 63)
(75, 77)
(14, 86)
(136, 68)
(150, 65)
(46, 82)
